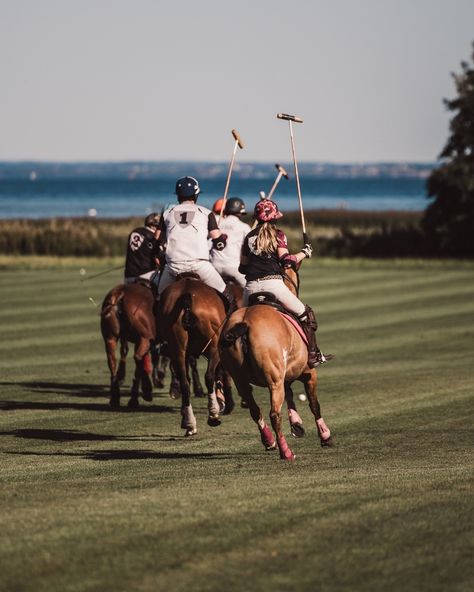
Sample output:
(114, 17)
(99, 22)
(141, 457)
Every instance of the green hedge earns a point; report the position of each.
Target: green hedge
(338, 233)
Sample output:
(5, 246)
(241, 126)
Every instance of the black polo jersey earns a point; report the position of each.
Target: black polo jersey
(262, 264)
(142, 250)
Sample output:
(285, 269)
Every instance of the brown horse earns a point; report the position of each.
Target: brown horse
(127, 316)
(261, 347)
(191, 315)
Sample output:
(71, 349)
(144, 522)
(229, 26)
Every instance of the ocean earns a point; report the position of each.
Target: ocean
(107, 198)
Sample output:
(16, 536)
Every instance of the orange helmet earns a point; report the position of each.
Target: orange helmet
(217, 207)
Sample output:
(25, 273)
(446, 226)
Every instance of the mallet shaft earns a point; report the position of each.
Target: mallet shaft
(238, 142)
(300, 199)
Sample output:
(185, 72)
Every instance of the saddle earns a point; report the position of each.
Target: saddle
(269, 299)
(187, 274)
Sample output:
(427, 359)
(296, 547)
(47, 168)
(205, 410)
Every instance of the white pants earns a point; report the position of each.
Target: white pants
(151, 276)
(277, 287)
(229, 271)
(203, 268)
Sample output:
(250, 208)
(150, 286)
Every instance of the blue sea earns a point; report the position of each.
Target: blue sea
(106, 198)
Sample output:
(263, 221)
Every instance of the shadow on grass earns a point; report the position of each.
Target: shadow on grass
(18, 405)
(78, 436)
(107, 455)
(57, 388)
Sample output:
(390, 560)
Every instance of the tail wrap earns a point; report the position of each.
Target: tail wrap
(239, 330)
(111, 309)
(189, 318)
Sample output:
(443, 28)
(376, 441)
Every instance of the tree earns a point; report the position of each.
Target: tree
(448, 221)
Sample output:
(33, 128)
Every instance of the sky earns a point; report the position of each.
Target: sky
(169, 79)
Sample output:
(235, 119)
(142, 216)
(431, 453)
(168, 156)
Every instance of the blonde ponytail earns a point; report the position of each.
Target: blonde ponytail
(266, 241)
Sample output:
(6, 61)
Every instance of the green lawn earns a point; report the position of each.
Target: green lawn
(93, 499)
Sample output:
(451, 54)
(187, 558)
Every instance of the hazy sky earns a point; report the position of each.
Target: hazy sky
(169, 79)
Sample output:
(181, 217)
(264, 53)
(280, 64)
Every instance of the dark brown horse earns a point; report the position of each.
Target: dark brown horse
(190, 315)
(127, 316)
(261, 347)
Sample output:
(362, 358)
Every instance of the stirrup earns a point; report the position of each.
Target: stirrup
(322, 359)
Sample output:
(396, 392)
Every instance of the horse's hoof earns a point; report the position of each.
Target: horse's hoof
(190, 432)
(287, 455)
(213, 421)
(329, 443)
(147, 396)
(133, 403)
(229, 407)
(199, 393)
(269, 447)
(244, 404)
(297, 430)
(114, 403)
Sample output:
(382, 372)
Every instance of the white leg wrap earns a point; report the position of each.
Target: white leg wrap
(213, 405)
(323, 429)
(189, 418)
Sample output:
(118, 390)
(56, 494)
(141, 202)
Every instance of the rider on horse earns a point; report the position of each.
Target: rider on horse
(264, 254)
(143, 252)
(227, 261)
(185, 228)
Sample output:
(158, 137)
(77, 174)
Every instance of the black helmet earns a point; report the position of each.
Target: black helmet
(152, 220)
(187, 188)
(235, 206)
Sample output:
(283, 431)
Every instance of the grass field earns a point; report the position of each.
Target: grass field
(98, 500)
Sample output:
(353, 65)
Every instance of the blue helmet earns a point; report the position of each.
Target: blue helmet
(187, 188)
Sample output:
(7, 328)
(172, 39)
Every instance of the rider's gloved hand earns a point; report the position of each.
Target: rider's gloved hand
(307, 250)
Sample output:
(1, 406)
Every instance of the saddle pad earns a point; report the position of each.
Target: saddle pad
(295, 325)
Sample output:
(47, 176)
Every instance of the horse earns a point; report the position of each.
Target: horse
(190, 315)
(127, 316)
(258, 346)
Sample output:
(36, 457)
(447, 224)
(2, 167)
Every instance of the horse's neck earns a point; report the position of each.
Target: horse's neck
(291, 279)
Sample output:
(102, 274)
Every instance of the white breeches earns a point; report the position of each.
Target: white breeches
(204, 269)
(229, 271)
(277, 287)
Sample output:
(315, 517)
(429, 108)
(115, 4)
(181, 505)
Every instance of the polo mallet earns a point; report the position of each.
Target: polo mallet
(82, 271)
(290, 119)
(281, 173)
(238, 142)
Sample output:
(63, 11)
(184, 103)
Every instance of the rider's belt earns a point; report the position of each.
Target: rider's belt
(275, 276)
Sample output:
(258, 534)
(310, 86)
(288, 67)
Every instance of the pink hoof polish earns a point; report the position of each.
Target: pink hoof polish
(267, 438)
(285, 451)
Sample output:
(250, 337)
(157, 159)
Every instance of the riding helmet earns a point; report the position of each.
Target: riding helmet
(187, 188)
(235, 206)
(266, 210)
(153, 220)
(217, 207)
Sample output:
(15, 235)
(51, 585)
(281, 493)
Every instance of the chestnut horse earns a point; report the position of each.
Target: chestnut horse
(260, 347)
(190, 315)
(127, 316)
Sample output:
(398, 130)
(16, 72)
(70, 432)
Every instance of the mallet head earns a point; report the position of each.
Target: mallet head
(289, 117)
(237, 138)
(281, 171)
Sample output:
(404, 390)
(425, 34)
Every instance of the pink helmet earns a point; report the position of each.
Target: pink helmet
(266, 210)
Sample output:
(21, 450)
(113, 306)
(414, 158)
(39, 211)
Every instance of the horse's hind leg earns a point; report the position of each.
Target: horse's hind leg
(141, 376)
(197, 386)
(188, 421)
(277, 396)
(110, 347)
(324, 433)
(215, 405)
(296, 423)
(245, 391)
(122, 363)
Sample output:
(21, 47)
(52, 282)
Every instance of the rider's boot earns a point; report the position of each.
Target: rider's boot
(230, 299)
(309, 325)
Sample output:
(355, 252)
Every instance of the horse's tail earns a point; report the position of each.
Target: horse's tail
(239, 330)
(189, 318)
(111, 310)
